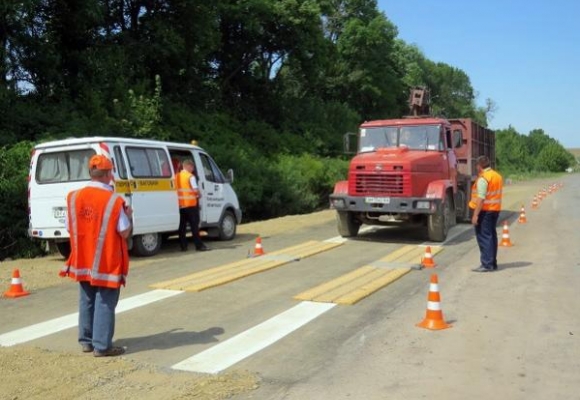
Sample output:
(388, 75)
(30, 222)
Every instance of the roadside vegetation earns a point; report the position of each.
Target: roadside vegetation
(269, 87)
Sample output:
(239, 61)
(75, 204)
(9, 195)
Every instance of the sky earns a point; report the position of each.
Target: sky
(522, 54)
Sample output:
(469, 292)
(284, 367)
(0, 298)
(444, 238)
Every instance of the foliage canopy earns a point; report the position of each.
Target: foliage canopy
(267, 86)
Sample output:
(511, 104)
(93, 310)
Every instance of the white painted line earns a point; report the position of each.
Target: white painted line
(336, 239)
(145, 298)
(369, 228)
(68, 321)
(239, 347)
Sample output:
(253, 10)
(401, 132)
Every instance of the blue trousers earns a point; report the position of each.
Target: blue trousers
(486, 234)
(97, 315)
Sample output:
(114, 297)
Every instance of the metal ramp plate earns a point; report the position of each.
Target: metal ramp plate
(354, 286)
(212, 277)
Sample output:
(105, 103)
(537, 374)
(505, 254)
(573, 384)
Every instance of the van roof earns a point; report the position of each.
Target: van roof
(109, 140)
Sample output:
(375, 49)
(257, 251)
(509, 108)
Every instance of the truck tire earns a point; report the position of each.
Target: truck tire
(346, 224)
(146, 245)
(463, 213)
(438, 224)
(227, 226)
(63, 248)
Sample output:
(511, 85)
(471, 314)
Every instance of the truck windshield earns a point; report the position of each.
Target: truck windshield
(420, 137)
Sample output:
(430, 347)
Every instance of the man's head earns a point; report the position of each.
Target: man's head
(188, 165)
(483, 162)
(100, 167)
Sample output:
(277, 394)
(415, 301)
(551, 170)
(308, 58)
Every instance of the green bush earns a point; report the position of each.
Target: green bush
(14, 241)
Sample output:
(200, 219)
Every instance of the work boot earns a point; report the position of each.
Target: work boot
(110, 352)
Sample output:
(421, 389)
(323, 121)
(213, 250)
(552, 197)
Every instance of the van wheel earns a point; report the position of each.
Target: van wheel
(146, 245)
(227, 226)
(63, 248)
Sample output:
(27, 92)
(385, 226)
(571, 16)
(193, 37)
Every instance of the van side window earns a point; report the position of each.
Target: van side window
(64, 166)
(120, 164)
(211, 171)
(148, 162)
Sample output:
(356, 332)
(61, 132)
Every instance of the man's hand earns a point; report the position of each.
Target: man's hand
(474, 219)
(128, 211)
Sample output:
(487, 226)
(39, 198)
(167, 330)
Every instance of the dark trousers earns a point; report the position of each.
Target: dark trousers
(189, 215)
(486, 234)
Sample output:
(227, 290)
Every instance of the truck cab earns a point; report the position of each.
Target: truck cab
(404, 173)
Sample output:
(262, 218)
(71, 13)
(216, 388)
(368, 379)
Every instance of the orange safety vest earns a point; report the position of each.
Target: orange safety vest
(492, 201)
(186, 196)
(99, 253)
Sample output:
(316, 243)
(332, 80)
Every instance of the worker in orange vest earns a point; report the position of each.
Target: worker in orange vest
(486, 195)
(188, 198)
(99, 223)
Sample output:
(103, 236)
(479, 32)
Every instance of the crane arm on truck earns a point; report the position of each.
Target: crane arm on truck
(419, 101)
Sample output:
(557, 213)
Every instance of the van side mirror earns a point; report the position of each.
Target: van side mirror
(349, 143)
(457, 138)
(230, 176)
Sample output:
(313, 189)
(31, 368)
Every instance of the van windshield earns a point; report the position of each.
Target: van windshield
(64, 166)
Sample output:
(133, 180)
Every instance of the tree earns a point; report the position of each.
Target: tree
(554, 158)
(512, 152)
(364, 72)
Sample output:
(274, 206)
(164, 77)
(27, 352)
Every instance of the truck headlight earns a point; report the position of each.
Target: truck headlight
(337, 203)
(423, 205)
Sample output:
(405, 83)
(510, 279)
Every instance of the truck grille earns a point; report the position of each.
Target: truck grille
(395, 184)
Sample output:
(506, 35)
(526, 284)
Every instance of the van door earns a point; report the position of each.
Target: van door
(151, 189)
(211, 183)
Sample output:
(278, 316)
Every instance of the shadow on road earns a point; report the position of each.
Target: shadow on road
(169, 339)
(516, 264)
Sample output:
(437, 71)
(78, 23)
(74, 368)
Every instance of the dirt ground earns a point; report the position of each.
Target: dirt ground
(57, 375)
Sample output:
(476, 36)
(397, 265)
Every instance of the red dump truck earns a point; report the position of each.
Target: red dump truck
(415, 171)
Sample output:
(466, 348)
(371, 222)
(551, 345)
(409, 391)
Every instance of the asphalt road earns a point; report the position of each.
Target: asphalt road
(515, 332)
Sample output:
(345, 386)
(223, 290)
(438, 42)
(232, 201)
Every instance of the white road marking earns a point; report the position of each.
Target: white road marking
(340, 239)
(336, 239)
(245, 344)
(69, 321)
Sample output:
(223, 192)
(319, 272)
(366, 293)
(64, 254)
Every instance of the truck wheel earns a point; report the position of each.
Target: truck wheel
(227, 226)
(146, 245)
(438, 224)
(347, 225)
(63, 248)
(463, 212)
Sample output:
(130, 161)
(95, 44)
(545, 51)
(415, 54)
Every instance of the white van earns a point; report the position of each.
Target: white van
(144, 173)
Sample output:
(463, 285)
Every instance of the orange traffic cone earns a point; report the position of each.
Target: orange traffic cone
(16, 289)
(522, 219)
(505, 236)
(434, 315)
(540, 195)
(427, 260)
(258, 250)
(534, 202)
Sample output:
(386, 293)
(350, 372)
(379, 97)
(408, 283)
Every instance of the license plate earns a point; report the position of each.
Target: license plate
(379, 200)
(59, 212)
